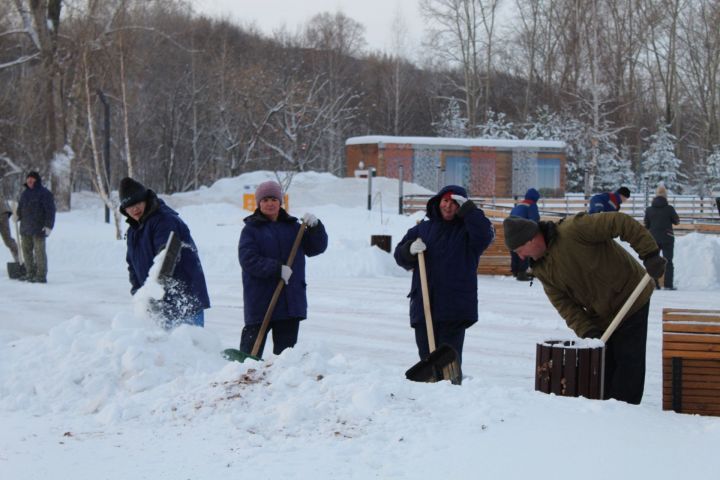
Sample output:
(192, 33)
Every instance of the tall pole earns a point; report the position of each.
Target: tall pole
(400, 190)
(370, 172)
(106, 147)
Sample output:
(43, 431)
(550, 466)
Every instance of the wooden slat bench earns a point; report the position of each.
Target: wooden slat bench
(691, 361)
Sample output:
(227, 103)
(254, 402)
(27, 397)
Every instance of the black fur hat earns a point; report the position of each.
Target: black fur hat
(131, 192)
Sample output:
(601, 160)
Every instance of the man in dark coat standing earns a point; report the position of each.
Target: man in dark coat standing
(588, 276)
(660, 217)
(36, 213)
(608, 201)
(150, 222)
(453, 237)
(263, 252)
(526, 208)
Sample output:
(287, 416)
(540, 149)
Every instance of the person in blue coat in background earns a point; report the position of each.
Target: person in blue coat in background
(36, 213)
(263, 251)
(608, 201)
(150, 222)
(526, 208)
(453, 237)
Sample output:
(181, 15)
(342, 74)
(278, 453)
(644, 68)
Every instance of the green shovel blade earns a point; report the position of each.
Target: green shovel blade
(235, 355)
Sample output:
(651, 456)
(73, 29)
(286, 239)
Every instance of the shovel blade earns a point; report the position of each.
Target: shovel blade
(15, 270)
(441, 364)
(235, 355)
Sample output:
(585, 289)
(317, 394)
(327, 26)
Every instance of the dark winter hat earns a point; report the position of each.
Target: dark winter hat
(518, 231)
(34, 175)
(624, 191)
(131, 192)
(268, 189)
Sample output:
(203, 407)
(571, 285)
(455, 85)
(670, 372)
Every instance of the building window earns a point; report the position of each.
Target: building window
(548, 176)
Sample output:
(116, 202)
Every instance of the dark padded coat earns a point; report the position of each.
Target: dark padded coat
(605, 202)
(586, 274)
(145, 239)
(263, 249)
(36, 210)
(453, 252)
(528, 208)
(660, 217)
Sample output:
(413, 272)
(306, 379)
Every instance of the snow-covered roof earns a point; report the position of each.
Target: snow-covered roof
(456, 142)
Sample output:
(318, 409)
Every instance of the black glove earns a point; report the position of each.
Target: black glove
(655, 265)
(594, 332)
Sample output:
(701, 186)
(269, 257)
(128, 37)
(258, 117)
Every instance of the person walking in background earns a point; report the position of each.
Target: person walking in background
(453, 237)
(660, 217)
(36, 213)
(150, 222)
(526, 208)
(5, 214)
(588, 276)
(608, 201)
(263, 251)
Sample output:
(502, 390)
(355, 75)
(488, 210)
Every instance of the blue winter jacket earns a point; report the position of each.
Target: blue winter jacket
(527, 208)
(605, 202)
(145, 239)
(451, 259)
(263, 248)
(36, 210)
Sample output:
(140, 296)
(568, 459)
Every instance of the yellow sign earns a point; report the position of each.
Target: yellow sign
(249, 202)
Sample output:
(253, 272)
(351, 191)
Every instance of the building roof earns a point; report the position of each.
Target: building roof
(455, 142)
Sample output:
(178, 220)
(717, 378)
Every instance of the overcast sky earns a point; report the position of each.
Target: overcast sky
(375, 15)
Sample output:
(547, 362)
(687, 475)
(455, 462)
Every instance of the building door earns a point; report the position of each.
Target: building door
(457, 170)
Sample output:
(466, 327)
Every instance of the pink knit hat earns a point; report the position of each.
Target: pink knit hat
(268, 189)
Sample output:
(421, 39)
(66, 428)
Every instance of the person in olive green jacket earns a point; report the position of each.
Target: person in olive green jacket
(588, 276)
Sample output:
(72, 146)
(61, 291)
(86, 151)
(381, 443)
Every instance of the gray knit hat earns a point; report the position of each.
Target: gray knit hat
(519, 231)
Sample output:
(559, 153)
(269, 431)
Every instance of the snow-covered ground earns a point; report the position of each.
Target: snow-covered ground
(88, 390)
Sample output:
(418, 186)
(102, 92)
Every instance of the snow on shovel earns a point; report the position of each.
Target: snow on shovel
(442, 363)
(237, 355)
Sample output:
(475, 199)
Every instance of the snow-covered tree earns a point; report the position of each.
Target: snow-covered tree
(659, 163)
(451, 122)
(712, 170)
(614, 168)
(496, 126)
(545, 125)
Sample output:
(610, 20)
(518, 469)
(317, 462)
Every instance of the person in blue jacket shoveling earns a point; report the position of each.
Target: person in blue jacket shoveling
(272, 250)
(443, 297)
(151, 223)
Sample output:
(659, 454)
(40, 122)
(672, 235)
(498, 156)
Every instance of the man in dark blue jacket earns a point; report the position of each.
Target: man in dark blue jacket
(453, 237)
(263, 251)
(526, 208)
(36, 213)
(151, 222)
(608, 201)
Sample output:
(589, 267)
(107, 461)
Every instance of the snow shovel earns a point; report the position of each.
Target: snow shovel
(616, 323)
(442, 363)
(237, 355)
(16, 269)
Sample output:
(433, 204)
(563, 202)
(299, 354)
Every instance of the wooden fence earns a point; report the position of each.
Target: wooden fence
(696, 215)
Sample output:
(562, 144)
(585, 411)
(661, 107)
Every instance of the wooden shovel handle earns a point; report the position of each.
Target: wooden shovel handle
(276, 295)
(624, 309)
(426, 301)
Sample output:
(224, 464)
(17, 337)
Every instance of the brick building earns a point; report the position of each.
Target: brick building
(486, 167)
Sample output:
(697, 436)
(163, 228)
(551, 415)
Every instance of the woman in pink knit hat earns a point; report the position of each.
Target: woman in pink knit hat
(265, 244)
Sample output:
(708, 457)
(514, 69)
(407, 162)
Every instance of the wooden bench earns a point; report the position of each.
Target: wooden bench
(691, 361)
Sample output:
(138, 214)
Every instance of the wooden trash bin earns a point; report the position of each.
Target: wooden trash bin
(691, 361)
(383, 242)
(570, 369)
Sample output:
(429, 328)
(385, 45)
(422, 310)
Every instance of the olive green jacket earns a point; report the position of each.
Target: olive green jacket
(586, 274)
